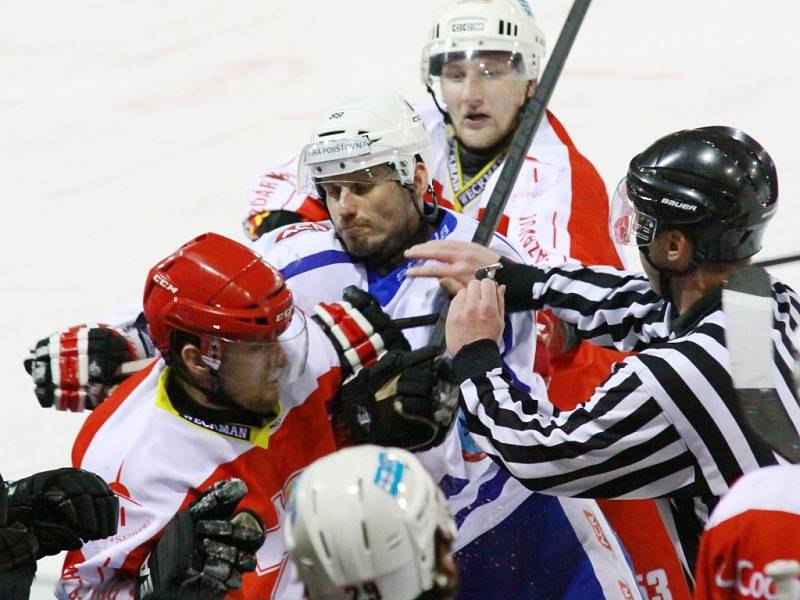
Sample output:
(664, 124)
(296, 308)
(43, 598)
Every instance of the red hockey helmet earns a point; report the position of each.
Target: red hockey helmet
(214, 287)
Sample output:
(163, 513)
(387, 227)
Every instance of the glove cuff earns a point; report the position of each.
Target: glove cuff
(353, 336)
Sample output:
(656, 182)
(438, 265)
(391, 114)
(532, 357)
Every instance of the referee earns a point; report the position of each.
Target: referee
(665, 423)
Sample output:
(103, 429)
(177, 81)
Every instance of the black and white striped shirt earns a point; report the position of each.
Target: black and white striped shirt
(664, 423)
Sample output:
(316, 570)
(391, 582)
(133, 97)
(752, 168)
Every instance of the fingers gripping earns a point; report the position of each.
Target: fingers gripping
(206, 548)
(219, 501)
(399, 401)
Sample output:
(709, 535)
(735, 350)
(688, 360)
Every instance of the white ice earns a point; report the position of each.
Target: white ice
(127, 127)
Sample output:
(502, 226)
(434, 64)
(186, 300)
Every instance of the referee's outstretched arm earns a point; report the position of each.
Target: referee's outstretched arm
(617, 444)
(665, 422)
(609, 307)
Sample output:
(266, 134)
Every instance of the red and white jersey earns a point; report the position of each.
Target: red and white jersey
(158, 460)
(558, 207)
(557, 211)
(755, 523)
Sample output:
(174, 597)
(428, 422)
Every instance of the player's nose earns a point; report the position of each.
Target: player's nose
(472, 89)
(348, 203)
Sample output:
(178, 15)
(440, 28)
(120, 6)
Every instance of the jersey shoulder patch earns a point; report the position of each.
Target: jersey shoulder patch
(295, 228)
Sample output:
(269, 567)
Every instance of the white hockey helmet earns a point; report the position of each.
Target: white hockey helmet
(362, 134)
(468, 28)
(366, 518)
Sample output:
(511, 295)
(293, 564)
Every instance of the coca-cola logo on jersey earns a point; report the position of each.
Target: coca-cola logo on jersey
(749, 581)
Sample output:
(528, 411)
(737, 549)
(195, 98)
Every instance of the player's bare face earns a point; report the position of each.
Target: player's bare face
(375, 220)
(249, 375)
(483, 97)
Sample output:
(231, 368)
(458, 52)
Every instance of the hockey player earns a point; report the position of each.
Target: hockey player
(45, 514)
(482, 60)
(485, 57)
(237, 402)
(367, 159)
(232, 348)
(666, 422)
(384, 521)
(754, 525)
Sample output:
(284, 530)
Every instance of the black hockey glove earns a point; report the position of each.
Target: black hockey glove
(407, 399)
(80, 367)
(18, 546)
(63, 508)
(359, 329)
(206, 548)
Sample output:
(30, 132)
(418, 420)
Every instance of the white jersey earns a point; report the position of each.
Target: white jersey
(504, 530)
(557, 211)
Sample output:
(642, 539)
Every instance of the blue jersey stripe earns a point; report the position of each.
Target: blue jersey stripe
(315, 261)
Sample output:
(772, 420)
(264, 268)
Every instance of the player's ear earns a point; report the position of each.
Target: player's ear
(679, 249)
(420, 180)
(193, 361)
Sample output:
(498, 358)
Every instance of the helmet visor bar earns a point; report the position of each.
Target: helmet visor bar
(627, 224)
(489, 65)
(499, 60)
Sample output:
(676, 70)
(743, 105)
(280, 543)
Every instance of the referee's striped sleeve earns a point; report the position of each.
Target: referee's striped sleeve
(618, 444)
(609, 307)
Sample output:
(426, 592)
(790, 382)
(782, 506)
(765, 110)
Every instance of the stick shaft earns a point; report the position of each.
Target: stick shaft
(531, 116)
(781, 260)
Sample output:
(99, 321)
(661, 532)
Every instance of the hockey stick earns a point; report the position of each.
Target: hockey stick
(747, 303)
(781, 260)
(529, 122)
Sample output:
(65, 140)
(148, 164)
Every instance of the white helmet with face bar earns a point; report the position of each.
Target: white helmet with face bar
(366, 136)
(469, 29)
(366, 518)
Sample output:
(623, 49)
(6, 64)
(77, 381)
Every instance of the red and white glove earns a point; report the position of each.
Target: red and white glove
(78, 368)
(359, 329)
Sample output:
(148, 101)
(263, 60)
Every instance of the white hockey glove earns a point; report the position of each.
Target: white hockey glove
(78, 368)
(359, 329)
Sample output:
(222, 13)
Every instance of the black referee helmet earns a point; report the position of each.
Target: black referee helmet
(717, 183)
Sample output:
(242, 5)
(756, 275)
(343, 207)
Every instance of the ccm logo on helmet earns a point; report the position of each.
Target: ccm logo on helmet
(164, 283)
(287, 314)
(679, 205)
(455, 27)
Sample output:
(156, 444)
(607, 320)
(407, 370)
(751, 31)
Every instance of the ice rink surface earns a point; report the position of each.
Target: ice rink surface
(128, 127)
